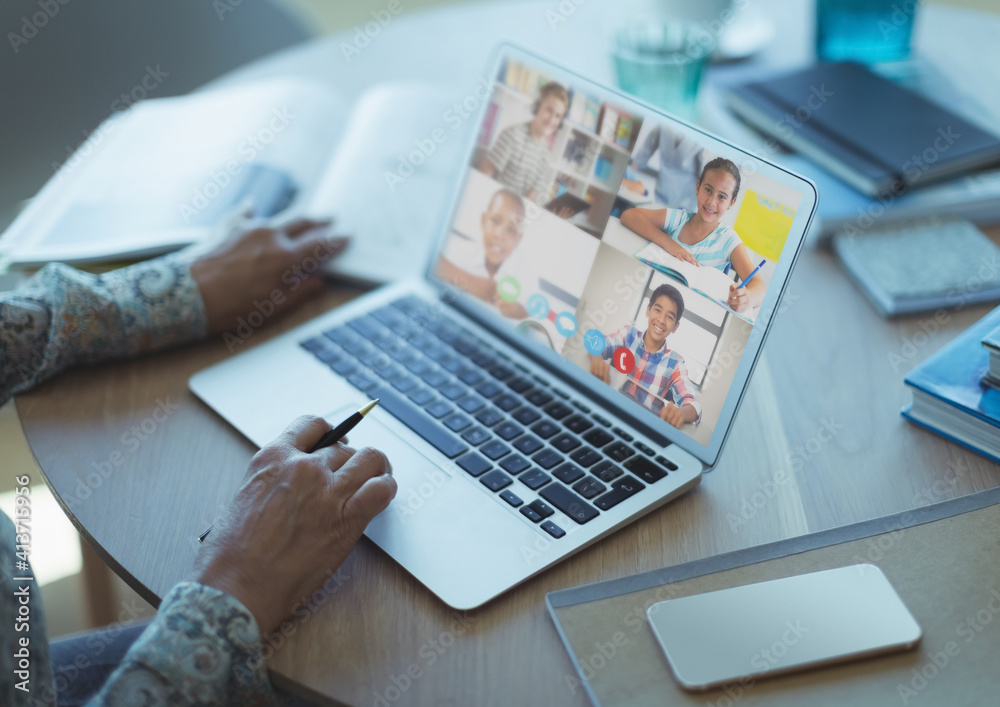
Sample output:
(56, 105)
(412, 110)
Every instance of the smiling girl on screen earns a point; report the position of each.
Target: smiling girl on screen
(698, 237)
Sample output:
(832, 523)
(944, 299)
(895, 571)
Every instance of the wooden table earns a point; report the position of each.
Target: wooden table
(818, 443)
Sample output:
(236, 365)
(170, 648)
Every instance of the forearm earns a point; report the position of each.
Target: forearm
(756, 291)
(637, 222)
(690, 413)
(482, 287)
(203, 648)
(61, 317)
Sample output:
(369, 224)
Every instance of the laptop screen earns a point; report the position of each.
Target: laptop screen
(639, 250)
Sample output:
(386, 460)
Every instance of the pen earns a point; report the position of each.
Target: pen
(750, 276)
(328, 439)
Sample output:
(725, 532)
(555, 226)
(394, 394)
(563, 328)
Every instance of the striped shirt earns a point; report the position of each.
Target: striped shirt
(522, 162)
(714, 250)
(658, 376)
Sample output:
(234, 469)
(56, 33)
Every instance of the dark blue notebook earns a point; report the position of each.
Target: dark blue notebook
(949, 396)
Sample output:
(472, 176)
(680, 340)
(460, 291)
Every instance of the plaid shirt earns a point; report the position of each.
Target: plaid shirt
(661, 373)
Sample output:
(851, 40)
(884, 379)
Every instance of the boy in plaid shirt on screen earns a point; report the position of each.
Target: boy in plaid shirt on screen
(659, 380)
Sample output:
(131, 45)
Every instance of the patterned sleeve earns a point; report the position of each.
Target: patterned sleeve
(503, 148)
(679, 389)
(63, 316)
(617, 340)
(203, 648)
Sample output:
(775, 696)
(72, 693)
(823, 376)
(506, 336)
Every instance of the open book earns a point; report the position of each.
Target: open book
(170, 172)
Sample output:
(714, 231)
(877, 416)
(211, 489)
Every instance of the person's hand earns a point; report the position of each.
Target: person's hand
(738, 299)
(672, 414)
(682, 253)
(263, 268)
(600, 369)
(294, 521)
(513, 310)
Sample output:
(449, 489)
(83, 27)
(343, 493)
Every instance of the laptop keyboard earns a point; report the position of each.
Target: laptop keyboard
(514, 432)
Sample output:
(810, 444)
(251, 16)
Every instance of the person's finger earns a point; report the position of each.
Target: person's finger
(300, 226)
(366, 463)
(334, 457)
(304, 432)
(371, 499)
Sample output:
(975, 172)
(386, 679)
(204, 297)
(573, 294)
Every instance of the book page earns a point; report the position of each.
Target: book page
(705, 280)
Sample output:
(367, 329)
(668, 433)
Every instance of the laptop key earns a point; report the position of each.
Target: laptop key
(622, 433)
(489, 416)
(453, 391)
(606, 471)
(531, 514)
(538, 398)
(597, 437)
(546, 458)
(515, 464)
(434, 378)
(619, 451)
(525, 415)
(535, 479)
(404, 384)
(645, 469)
(457, 422)
(620, 490)
(585, 457)
(507, 402)
(528, 444)
(470, 376)
(500, 372)
(508, 430)
(488, 389)
(553, 529)
(512, 498)
(342, 335)
(569, 503)
(474, 464)
(567, 472)
(471, 403)
(541, 508)
(475, 436)
(565, 443)
(645, 449)
(345, 367)
(362, 381)
(545, 428)
(663, 461)
(558, 410)
(578, 424)
(414, 418)
(519, 384)
(439, 409)
(601, 421)
(495, 449)
(452, 364)
(421, 396)
(367, 326)
(589, 487)
(496, 480)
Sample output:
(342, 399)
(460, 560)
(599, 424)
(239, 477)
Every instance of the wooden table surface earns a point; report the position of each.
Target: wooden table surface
(142, 466)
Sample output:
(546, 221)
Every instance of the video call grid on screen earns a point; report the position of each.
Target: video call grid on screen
(579, 206)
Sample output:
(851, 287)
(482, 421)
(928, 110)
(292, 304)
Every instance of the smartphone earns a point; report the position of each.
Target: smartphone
(757, 630)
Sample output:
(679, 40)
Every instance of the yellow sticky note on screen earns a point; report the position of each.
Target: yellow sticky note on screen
(763, 224)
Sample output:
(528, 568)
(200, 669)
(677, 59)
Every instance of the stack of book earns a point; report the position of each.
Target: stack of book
(956, 393)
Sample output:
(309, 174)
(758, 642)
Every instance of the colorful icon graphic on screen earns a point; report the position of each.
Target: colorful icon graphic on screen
(593, 341)
(509, 289)
(538, 307)
(623, 360)
(566, 324)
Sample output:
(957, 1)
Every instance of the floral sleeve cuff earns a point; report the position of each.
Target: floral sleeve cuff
(203, 648)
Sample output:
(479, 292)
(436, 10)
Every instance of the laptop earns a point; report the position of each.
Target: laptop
(539, 386)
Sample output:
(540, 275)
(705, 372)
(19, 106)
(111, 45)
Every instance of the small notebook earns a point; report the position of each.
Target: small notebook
(913, 267)
(949, 396)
